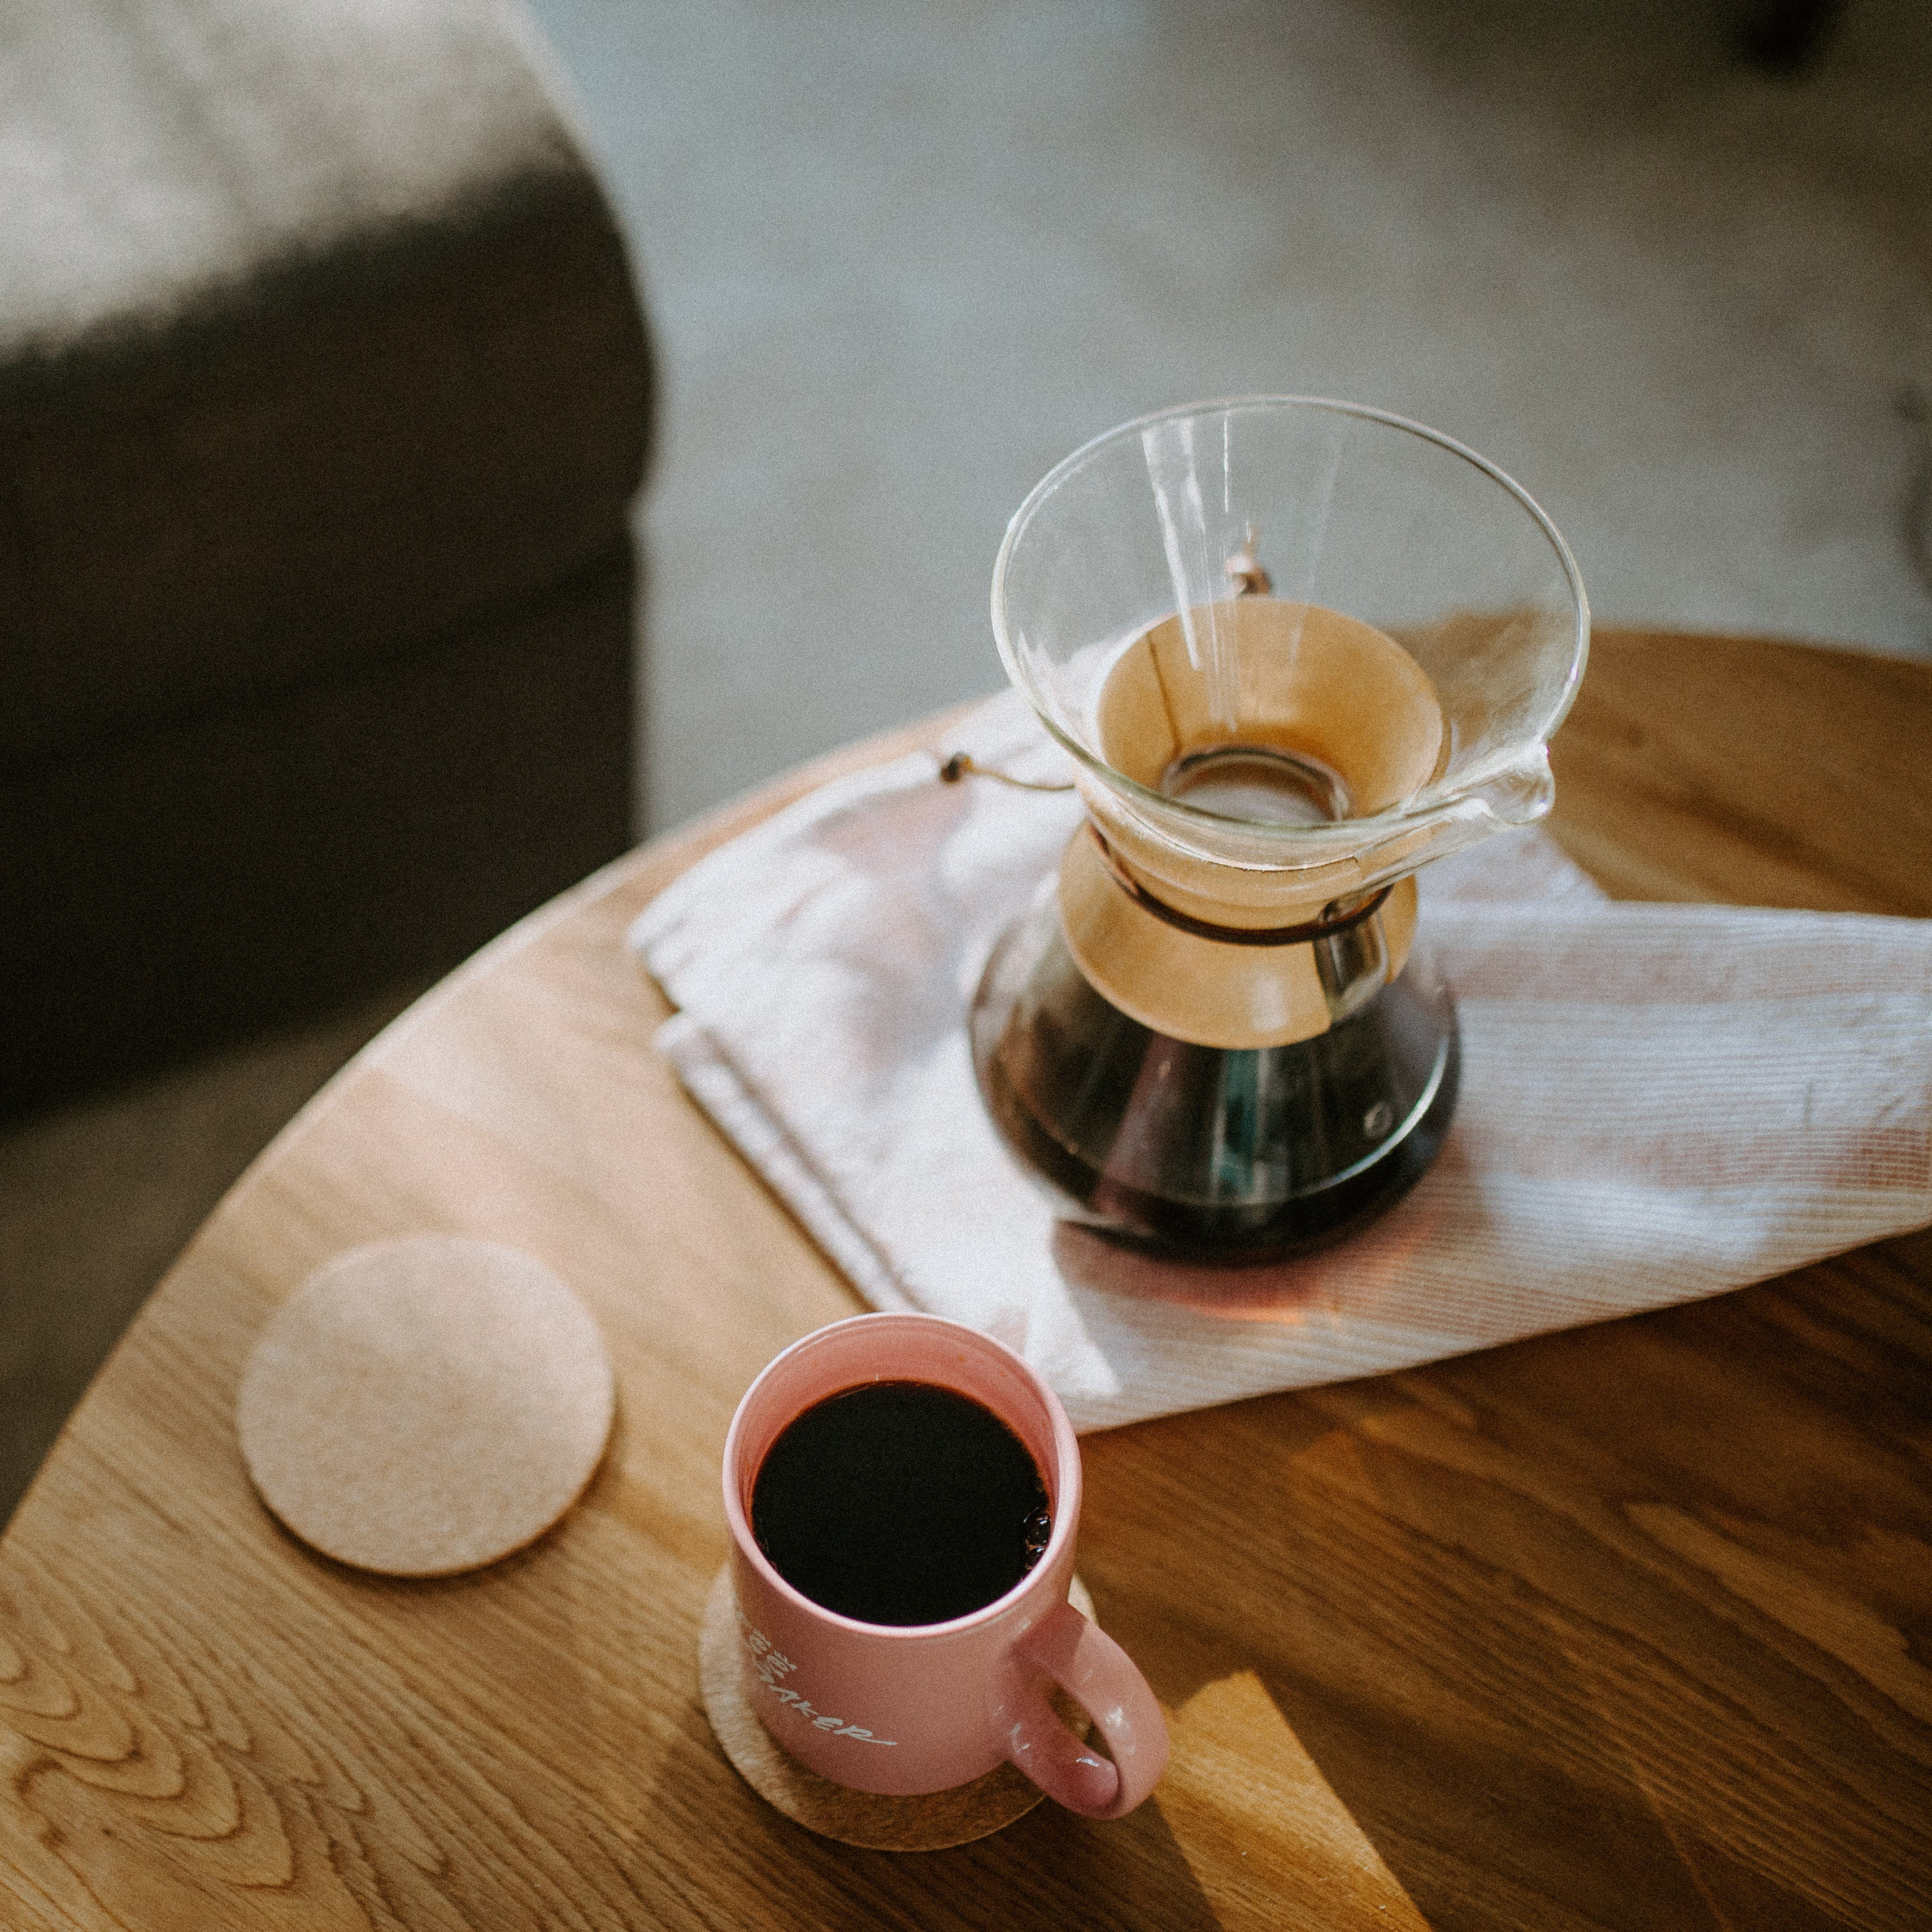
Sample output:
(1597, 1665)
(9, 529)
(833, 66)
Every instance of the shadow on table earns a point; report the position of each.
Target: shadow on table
(1574, 1631)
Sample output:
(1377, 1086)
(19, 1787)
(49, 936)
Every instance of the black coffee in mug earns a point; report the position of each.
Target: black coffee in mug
(900, 1502)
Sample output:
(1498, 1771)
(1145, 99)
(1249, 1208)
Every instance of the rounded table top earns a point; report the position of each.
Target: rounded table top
(1621, 1626)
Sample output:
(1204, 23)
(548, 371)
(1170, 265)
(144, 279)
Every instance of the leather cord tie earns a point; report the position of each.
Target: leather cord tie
(1326, 927)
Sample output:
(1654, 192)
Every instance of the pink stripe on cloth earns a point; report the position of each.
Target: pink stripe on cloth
(1658, 1102)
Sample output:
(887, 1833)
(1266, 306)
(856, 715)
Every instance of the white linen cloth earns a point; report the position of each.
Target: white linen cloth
(1657, 1102)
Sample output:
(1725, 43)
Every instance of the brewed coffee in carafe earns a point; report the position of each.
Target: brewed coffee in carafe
(1298, 648)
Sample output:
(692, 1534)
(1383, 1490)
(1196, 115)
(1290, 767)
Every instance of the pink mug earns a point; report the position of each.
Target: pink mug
(908, 1709)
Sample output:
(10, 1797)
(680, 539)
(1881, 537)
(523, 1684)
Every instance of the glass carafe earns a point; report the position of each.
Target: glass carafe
(1297, 648)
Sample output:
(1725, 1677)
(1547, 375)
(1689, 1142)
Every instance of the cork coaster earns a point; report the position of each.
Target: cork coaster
(422, 1407)
(863, 1818)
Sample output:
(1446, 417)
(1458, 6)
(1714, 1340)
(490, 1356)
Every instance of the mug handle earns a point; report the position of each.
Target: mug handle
(1100, 1677)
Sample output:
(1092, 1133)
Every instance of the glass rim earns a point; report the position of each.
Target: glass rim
(1295, 836)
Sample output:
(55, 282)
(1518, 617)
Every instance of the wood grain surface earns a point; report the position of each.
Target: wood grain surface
(1629, 1627)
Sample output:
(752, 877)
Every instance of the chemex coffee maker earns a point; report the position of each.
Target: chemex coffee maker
(1296, 649)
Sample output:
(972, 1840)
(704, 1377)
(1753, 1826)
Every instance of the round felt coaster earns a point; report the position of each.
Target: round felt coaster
(421, 1407)
(927, 1824)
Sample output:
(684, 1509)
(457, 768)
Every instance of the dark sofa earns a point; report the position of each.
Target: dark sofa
(324, 392)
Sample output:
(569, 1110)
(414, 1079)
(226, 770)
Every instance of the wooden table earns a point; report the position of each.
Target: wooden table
(1629, 1627)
